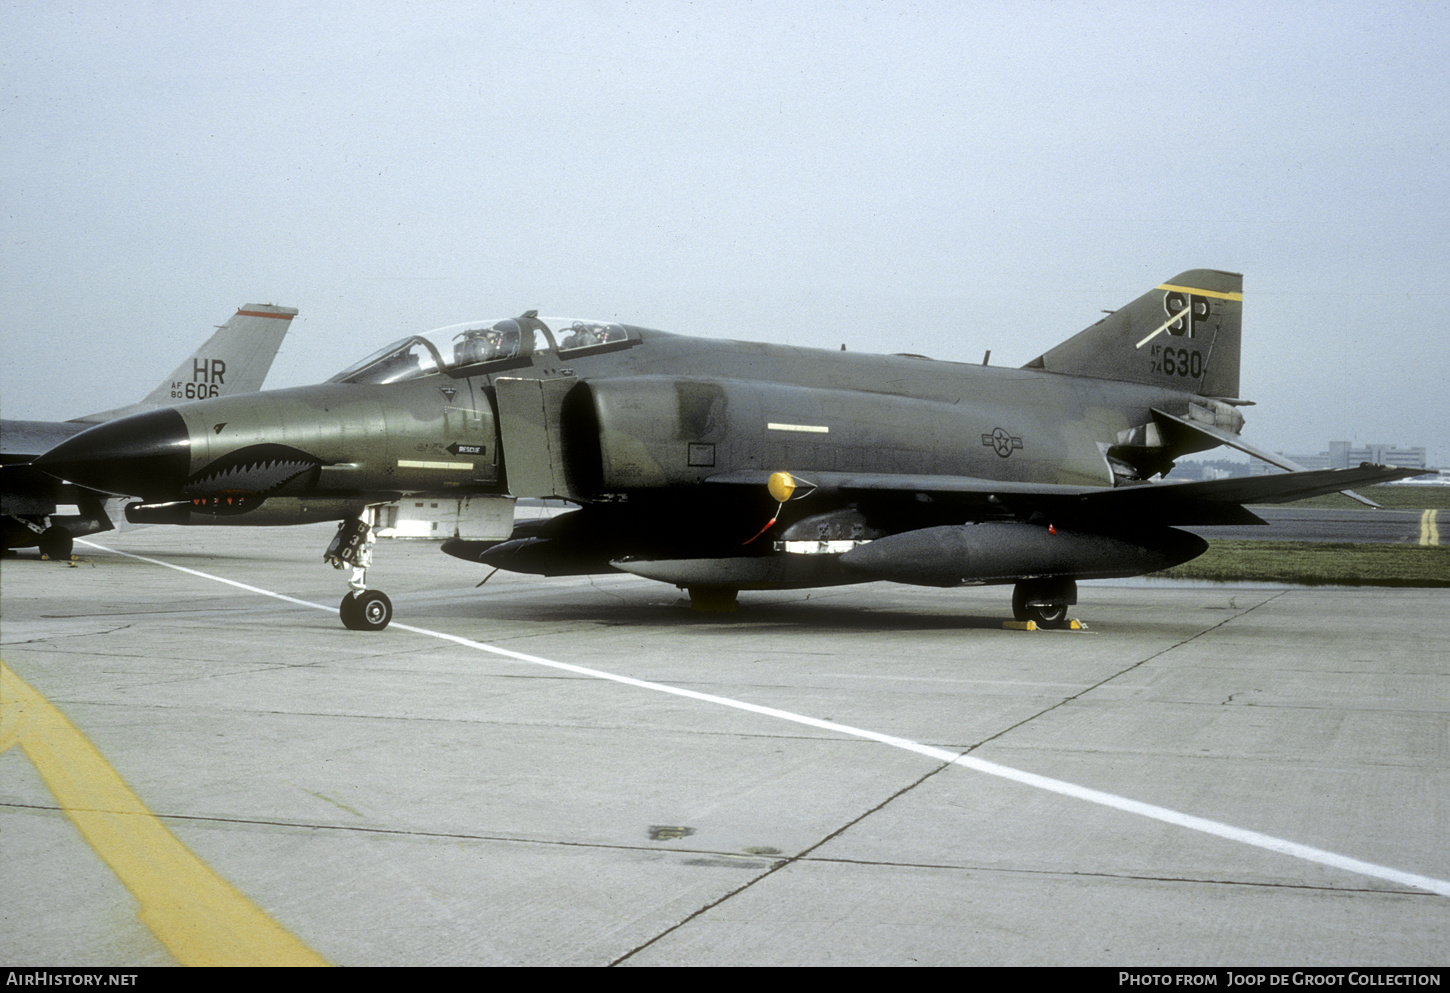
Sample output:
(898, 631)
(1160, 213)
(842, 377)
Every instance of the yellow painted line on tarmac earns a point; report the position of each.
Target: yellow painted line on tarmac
(1429, 530)
(200, 917)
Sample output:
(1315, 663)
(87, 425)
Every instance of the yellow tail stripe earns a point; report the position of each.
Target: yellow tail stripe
(1216, 294)
(200, 917)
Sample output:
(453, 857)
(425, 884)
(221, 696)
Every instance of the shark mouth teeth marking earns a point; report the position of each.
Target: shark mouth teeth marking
(256, 469)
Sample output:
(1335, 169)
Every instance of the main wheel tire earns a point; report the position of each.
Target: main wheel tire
(1047, 611)
(1019, 604)
(713, 599)
(56, 543)
(374, 611)
(1048, 615)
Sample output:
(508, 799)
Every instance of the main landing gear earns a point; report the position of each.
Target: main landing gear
(56, 543)
(712, 599)
(362, 609)
(1044, 601)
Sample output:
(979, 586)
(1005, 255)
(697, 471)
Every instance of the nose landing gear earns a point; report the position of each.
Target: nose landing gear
(362, 609)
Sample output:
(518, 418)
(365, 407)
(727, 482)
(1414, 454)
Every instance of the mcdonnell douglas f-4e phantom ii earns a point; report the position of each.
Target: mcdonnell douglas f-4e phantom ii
(722, 466)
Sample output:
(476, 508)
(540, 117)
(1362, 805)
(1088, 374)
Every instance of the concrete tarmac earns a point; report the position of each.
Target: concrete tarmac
(1207, 776)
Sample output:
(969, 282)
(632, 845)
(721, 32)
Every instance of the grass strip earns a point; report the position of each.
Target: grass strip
(1312, 563)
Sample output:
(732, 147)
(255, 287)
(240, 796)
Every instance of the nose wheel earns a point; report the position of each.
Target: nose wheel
(362, 609)
(370, 610)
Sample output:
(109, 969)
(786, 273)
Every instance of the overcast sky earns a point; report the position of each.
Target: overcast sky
(941, 178)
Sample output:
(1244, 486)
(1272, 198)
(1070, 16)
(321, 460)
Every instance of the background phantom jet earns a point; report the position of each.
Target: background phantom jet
(37, 509)
(727, 465)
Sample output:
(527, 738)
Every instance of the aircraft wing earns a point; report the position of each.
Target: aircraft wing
(22, 441)
(1201, 502)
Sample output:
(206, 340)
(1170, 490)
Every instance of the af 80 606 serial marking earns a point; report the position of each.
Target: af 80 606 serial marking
(208, 376)
(727, 465)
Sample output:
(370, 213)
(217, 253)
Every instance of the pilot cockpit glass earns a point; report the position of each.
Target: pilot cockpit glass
(511, 343)
(587, 334)
(501, 340)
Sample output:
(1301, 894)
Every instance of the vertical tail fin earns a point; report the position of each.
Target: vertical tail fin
(234, 360)
(1183, 333)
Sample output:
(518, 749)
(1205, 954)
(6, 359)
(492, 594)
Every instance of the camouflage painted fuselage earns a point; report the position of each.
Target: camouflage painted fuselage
(658, 418)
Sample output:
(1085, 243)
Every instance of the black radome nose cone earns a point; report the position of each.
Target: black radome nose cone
(146, 455)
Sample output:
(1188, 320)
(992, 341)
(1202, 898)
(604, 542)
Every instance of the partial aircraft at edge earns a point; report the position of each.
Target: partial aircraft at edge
(235, 359)
(721, 466)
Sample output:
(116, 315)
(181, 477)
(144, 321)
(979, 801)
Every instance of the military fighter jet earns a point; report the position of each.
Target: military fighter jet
(37, 509)
(721, 466)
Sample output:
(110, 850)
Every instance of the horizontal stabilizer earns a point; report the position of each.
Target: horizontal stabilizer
(1232, 440)
(1194, 502)
(1278, 488)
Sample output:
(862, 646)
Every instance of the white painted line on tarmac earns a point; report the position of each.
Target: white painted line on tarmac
(1216, 828)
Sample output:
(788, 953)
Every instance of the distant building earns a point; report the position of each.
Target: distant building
(1189, 469)
(1344, 454)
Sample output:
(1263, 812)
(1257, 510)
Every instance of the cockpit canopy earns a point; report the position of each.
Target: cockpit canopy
(485, 346)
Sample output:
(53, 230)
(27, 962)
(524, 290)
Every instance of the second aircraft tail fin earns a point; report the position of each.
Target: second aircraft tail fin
(235, 359)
